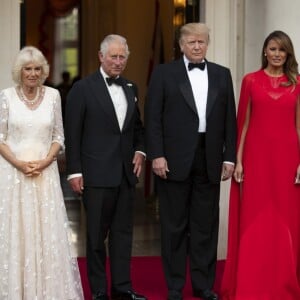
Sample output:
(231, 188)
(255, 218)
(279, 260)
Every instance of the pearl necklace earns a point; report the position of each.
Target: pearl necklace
(26, 100)
(34, 103)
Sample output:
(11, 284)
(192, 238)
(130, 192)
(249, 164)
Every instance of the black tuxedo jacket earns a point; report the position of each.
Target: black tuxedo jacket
(95, 145)
(172, 122)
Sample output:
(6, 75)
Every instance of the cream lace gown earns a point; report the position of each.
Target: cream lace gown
(36, 260)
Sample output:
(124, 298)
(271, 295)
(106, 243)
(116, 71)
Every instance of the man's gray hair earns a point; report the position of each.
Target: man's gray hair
(112, 38)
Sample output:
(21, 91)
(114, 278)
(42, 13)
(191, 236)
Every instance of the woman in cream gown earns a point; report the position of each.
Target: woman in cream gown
(36, 260)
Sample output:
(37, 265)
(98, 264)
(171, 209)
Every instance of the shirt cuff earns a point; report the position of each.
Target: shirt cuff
(71, 176)
(143, 153)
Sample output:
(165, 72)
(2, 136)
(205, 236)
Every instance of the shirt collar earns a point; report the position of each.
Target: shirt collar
(104, 73)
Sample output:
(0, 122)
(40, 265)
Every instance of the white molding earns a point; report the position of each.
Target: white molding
(10, 38)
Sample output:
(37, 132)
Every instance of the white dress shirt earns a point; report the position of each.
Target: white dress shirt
(118, 99)
(199, 83)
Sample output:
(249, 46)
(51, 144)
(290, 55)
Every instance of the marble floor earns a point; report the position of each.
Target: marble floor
(146, 237)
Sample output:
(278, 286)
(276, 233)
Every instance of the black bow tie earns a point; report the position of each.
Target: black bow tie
(201, 66)
(115, 80)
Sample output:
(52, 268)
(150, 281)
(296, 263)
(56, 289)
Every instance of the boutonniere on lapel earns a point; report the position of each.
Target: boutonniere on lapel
(130, 85)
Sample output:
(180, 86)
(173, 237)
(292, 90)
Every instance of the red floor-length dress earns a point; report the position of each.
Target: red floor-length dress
(263, 260)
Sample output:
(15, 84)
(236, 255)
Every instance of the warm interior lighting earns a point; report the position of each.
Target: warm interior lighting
(179, 13)
(179, 3)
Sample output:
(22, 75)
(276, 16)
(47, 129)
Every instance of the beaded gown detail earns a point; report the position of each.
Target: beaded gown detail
(37, 260)
(263, 260)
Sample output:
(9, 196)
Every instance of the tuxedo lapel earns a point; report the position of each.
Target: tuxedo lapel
(185, 85)
(186, 88)
(131, 99)
(212, 90)
(101, 93)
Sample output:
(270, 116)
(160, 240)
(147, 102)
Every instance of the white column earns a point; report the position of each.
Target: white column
(284, 16)
(263, 17)
(10, 38)
(225, 20)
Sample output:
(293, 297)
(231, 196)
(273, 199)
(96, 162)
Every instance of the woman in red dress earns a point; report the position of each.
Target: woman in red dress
(263, 259)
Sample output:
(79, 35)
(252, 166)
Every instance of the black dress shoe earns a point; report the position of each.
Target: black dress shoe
(206, 295)
(174, 298)
(129, 295)
(174, 295)
(100, 296)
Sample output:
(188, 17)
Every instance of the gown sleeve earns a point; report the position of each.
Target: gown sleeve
(58, 129)
(245, 95)
(3, 118)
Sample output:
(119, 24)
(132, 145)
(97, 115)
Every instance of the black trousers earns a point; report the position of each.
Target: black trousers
(189, 213)
(109, 215)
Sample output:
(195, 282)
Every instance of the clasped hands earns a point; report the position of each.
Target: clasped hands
(33, 168)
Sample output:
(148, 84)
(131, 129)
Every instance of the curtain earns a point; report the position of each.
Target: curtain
(60, 8)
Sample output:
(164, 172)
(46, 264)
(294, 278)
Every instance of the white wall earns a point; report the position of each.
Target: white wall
(10, 38)
(263, 17)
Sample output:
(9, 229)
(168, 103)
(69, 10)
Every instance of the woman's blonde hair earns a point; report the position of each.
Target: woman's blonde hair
(27, 55)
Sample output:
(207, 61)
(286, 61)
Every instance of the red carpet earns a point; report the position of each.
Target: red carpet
(148, 279)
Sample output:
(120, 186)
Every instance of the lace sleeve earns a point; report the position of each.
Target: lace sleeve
(58, 130)
(3, 117)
